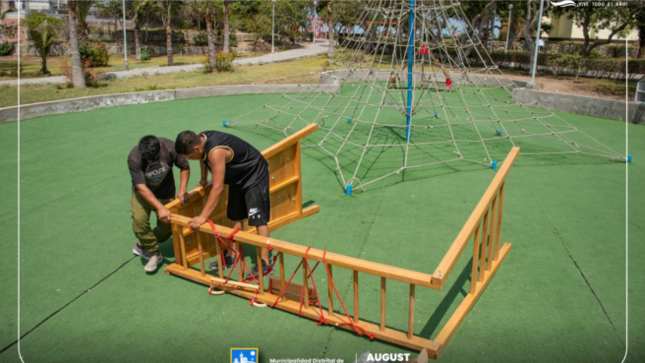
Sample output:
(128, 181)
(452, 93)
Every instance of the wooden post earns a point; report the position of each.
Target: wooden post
(382, 327)
(499, 219)
(411, 313)
(305, 284)
(355, 297)
(484, 249)
(281, 262)
(201, 253)
(260, 269)
(473, 276)
(330, 291)
(240, 263)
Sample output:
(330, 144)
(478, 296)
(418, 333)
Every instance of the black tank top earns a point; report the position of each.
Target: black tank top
(247, 166)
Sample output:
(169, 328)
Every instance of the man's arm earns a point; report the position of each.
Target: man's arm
(204, 175)
(184, 175)
(217, 159)
(162, 213)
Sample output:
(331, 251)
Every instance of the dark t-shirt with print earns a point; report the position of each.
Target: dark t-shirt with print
(247, 166)
(157, 175)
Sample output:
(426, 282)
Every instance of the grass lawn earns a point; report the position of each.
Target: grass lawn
(292, 72)
(30, 66)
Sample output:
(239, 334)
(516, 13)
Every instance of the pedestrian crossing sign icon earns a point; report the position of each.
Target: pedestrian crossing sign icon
(244, 355)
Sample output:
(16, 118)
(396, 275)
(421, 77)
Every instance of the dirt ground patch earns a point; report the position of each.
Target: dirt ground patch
(591, 87)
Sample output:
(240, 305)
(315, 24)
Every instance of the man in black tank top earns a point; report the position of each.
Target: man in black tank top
(234, 162)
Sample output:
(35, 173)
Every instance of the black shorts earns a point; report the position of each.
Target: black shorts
(253, 203)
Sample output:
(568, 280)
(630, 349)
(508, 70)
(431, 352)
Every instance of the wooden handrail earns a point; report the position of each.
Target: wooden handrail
(373, 268)
(454, 252)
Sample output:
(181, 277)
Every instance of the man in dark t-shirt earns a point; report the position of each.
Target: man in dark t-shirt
(234, 162)
(153, 186)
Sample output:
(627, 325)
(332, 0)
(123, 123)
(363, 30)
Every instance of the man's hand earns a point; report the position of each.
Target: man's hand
(202, 183)
(164, 214)
(183, 197)
(196, 222)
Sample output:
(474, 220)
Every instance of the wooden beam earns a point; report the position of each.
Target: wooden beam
(454, 252)
(351, 263)
(382, 327)
(221, 282)
(289, 141)
(411, 313)
(389, 335)
(469, 301)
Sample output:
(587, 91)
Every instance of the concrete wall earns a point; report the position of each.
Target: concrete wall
(94, 102)
(582, 105)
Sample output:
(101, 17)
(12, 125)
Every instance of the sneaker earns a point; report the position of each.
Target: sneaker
(154, 262)
(256, 274)
(139, 251)
(229, 261)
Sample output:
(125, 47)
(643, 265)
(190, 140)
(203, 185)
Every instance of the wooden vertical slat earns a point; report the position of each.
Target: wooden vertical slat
(382, 304)
(330, 291)
(484, 249)
(411, 313)
(498, 231)
(297, 164)
(473, 276)
(493, 233)
(182, 243)
(201, 252)
(305, 284)
(355, 297)
(220, 263)
(260, 269)
(281, 262)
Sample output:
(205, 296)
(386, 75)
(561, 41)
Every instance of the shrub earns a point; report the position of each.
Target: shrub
(91, 77)
(95, 55)
(200, 39)
(232, 40)
(223, 61)
(6, 48)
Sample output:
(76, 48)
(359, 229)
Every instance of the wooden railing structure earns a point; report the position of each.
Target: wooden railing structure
(483, 226)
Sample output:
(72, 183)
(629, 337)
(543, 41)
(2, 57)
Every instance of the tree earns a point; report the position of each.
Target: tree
(82, 9)
(478, 14)
(134, 10)
(111, 9)
(226, 33)
(209, 33)
(330, 30)
(168, 9)
(289, 16)
(613, 18)
(78, 78)
(43, 30)
(348, 12)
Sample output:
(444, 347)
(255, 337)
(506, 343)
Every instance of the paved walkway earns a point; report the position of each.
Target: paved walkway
(288, 55)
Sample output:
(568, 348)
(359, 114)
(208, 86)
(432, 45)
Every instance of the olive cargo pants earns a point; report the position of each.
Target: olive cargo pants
(148, 237)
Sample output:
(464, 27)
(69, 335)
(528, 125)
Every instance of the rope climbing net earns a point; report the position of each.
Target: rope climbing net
(409, 92)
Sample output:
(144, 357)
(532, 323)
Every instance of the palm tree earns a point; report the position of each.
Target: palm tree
(78, 79)
(43, 36)
(209, 33)
(134, 10)
(168, 9)
(82, 9)
(330, 30)
(226, 30)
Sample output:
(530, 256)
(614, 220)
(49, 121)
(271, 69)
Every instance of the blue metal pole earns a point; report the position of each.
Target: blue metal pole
(410, 68)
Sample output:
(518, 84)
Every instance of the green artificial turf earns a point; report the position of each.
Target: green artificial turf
(564, 215)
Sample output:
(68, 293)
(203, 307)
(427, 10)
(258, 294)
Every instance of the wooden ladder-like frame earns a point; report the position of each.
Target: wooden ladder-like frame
(483, 227)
